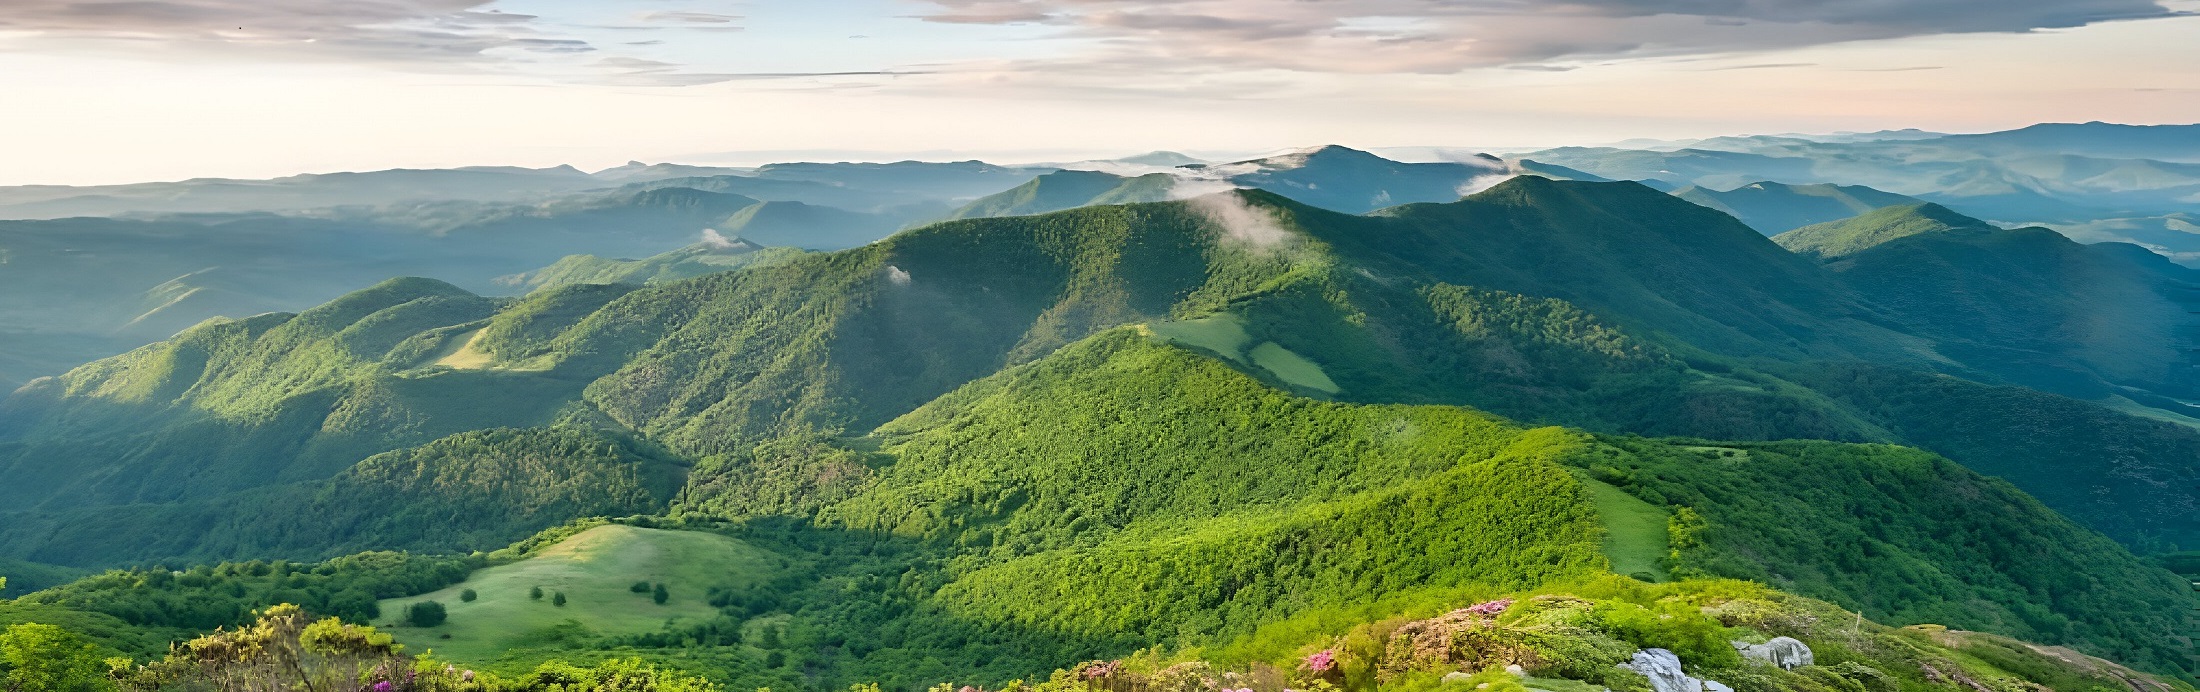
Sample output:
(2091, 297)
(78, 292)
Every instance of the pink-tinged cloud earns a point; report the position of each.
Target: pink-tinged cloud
(1438, 36)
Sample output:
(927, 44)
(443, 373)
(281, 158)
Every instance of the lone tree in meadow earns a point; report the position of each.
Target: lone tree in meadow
(558, 600)
(639, 587)
(660, 596)
(426, 614)
(468, 596)
(535, 593)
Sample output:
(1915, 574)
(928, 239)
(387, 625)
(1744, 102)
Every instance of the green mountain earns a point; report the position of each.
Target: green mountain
(995, 444)
(1610, 306)
(1353, 181)
(1775, 208)
(76, 290)
(2028, 304)
(1836, 239)
(794, 224)
(686, 263)
(1076, 507)
(1069, 189)
(2052, 174)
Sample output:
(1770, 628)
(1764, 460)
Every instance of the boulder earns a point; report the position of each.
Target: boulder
(1785, 652)
(1663, 668)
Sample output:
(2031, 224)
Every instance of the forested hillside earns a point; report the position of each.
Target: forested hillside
(988, 448)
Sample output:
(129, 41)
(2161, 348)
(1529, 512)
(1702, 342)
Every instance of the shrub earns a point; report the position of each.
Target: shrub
(639, 587)
(426, 614)
(468, 596)
(558, 600)
(535, 593)
(1680, 627)
(660, 596)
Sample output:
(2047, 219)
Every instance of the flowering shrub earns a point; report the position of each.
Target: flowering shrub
(1490, 607)
(1100, 669)
(1194, 676)
(1322, 661)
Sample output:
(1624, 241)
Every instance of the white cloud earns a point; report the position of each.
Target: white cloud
(1441, 36)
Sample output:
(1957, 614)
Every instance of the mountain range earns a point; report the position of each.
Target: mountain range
(1233, 414)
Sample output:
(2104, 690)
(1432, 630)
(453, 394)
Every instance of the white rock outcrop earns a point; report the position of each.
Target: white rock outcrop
(1785, 652)
(1664, 670)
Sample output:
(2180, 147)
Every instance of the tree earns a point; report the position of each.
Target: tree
(467, 596)
(558, 600)
(535, 593)
(426, 614)
(45, 657)
(660, 596)
(639, 587)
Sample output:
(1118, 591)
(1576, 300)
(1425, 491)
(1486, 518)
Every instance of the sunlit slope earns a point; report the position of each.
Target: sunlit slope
(595, 571)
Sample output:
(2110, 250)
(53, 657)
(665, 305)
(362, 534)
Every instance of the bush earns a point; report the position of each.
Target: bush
(660, 596)
(558, 600)
(426, 614)
(639, 587)
(535, 593)
(1677, 626)
(468, 596)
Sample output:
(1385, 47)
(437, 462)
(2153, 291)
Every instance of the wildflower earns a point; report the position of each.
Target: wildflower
(1492, 607)
(384, 686)
(1322, 661)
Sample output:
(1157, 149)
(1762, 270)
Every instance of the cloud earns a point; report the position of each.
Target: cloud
(1241, 222)
(1443, 36)
(689, 17)
(367, 30)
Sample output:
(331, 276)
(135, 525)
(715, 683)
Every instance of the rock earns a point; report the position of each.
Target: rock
(1516, 670)
(1455, 676)
(1785, 652)
(1664, 670)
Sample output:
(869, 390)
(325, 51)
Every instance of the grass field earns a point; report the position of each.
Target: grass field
(1223, 334)
(594, 570)
(1293, 368)
(466, 356)
(1634, 538)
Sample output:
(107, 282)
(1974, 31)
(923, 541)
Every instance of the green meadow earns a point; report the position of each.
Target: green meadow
(594, 570)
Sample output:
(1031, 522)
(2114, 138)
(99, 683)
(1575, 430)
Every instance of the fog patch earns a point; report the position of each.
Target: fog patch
(1240, 221)
(895, 276)
(1478, 184)
(717, 241)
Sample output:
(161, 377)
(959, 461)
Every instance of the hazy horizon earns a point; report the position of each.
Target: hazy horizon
(131, 92)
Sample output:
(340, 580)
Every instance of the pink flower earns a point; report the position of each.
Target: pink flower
(1322, 661)
(384, 686)
(1491, 608)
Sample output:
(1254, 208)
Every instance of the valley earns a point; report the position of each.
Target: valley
(1184, 426)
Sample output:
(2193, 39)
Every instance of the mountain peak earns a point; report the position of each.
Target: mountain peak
(1836, 239)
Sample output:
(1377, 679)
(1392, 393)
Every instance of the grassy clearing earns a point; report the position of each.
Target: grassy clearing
(465, 356)
(594, 570)
(1293, 368)
(1634, 538)
(1223, 334)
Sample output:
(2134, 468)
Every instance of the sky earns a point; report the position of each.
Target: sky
(110, 91)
